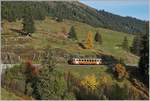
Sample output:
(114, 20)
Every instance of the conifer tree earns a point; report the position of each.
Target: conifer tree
(98, 38)
(28, 23)
(144, 58)
(89, 41)
(51, 83)
(72, 33)
(125, 45)
(136, 45)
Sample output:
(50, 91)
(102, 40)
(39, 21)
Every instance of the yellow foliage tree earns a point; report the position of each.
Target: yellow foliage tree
(89, 40)
(89, 82)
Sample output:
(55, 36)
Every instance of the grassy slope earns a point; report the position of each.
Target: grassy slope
(5, 95)
(46, 33)
(82, 70)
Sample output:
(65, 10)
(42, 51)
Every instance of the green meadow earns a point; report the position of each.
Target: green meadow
(49, 32)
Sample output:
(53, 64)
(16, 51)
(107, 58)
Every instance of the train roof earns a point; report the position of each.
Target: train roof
(88, 58)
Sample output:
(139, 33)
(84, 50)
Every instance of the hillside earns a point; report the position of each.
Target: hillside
(50, 32)
(74, 11)
(41, 39)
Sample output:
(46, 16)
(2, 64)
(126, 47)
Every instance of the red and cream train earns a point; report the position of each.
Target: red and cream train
(85, 61)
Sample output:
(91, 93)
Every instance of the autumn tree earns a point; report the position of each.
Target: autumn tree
(87, 88)
(120, 71)
(98, 38)
(89, 41)
(72, 34)
(31, 73)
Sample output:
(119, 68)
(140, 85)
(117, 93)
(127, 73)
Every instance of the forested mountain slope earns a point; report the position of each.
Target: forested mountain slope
(73, 11)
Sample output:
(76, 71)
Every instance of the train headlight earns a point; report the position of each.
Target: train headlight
(76, 62)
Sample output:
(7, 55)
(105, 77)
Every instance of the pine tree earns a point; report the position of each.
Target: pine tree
(98, 38)
(72, 34)
(125, 45)
(136, 45)
(41, 14)
(50, 83)
(89, 41)
(28, 23)
(144, 58)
